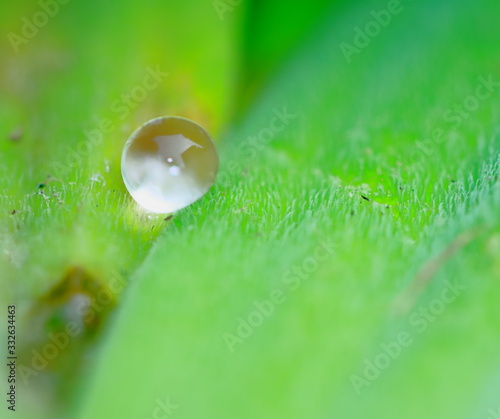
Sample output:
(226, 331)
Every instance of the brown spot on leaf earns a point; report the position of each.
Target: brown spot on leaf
(16, 135)
(406, 299)
(79, 297)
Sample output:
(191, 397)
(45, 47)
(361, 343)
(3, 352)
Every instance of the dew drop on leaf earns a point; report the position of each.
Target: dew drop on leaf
(169, 163)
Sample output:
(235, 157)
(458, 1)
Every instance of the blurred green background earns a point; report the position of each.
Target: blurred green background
(346, 264)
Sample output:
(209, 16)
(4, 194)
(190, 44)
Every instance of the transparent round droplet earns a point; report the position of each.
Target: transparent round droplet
(169, 163)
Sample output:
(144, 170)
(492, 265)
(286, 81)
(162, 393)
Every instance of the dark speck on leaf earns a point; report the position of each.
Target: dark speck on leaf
(365, 198)
(16, 135)
(41, 185)
(13, 212)
(168, 218)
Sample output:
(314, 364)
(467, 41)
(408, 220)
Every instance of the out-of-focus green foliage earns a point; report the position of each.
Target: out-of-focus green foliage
(271, 31)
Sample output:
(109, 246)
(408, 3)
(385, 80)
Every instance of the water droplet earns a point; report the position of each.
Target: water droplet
(169, 163)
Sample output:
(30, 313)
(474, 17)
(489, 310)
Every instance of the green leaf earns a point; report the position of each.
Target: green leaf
(234, 313)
